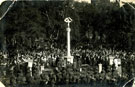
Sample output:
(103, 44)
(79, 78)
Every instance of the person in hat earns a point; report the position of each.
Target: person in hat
(37, 77)
(21, 79)
(53, 79)
(13, 80)
(29, 78)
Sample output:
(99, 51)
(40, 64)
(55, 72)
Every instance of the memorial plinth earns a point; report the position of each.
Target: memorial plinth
(69, 59)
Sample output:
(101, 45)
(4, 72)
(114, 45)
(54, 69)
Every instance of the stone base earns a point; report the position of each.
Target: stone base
(69, 59)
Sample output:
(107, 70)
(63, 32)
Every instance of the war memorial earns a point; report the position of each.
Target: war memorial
(67, 44)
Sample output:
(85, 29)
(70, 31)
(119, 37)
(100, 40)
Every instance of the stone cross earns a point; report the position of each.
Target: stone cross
(68, 20)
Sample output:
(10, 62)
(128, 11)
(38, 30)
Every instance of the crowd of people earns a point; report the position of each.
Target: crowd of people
(50, 67)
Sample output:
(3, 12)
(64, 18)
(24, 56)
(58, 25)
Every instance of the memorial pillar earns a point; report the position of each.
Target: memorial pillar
(69, 57)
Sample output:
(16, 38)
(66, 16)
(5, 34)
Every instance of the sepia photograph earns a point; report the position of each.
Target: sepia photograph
(67, 43)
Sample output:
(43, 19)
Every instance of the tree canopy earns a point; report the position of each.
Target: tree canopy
(32, 25)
